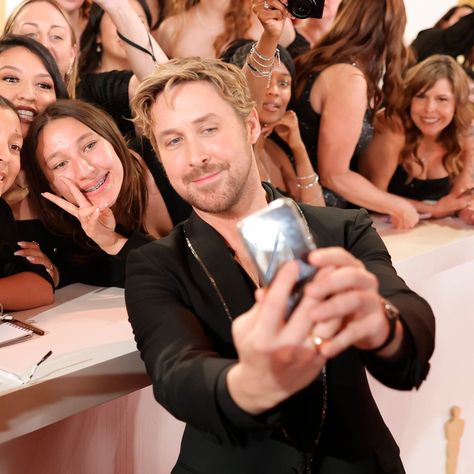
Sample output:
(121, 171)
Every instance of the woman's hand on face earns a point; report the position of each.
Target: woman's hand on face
(404, 215)
(97, 222)
(288, 129)
(272, 15)
(32, 252)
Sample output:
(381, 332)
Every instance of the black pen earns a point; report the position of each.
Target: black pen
(11, 319)
(35, 367)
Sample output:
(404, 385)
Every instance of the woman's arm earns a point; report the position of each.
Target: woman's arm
(25, 290)
(130, 26)
(340, 96)
(382, 155)
(273, 21)
(306, 179)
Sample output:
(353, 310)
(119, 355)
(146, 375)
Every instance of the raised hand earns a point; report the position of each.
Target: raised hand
(287, 128)
(348, 295)
(97, 222)
(276, 357)
(272, 15)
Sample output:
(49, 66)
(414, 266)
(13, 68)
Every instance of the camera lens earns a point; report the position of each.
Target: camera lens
(301, 8)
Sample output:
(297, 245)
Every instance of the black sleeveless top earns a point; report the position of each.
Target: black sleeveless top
(418, 189)
(309, 122)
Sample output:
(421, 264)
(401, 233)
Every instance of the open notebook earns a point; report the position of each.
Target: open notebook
(11, 333)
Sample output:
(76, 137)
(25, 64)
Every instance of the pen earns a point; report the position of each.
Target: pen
(11, 319)
(35, 367)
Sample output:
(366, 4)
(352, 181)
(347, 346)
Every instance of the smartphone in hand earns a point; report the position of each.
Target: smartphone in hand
(275, 235)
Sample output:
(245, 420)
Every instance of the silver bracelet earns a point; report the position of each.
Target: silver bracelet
(310, 185)
(253, 50)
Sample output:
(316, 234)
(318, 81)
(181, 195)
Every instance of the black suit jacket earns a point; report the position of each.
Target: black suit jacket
(184, 335)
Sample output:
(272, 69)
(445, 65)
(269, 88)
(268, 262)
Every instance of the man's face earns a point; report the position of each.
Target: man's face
(205, 147)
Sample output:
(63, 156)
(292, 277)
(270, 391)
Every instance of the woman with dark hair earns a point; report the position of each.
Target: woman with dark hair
(117, 51)
(337, 92)
(22, 284)
(78, 162)
(423, 152)
(46, 22)
(281, 155)
(30, 79)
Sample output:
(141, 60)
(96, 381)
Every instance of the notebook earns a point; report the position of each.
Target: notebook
(11, 333)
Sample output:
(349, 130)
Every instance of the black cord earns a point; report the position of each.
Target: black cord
(137, 46)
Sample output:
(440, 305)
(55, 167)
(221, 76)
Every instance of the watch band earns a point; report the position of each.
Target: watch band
(392, 314)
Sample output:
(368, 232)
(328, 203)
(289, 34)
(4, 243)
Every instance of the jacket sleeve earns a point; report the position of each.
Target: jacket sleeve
(181, 354)
(415, 313)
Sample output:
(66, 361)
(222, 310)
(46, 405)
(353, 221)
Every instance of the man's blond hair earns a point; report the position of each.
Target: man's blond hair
(228, 80)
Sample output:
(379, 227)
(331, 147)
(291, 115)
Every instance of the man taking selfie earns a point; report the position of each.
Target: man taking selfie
(261, 393)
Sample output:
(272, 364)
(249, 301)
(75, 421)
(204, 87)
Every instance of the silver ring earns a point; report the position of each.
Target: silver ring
(266, 6)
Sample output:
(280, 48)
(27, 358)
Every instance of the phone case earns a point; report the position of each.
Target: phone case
(275, 235)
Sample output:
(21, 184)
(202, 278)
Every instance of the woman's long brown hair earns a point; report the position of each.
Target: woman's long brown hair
(370, 35)
(419, 79)
(130, 207)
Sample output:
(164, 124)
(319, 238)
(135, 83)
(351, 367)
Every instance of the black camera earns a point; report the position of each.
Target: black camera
(306, 8)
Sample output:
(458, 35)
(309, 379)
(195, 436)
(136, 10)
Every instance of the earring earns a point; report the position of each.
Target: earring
(98, 48)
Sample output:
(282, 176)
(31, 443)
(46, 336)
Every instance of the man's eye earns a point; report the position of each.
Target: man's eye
(210, 130)
(173, 142)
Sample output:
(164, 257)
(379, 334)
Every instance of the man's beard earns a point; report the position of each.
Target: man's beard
(224, 196)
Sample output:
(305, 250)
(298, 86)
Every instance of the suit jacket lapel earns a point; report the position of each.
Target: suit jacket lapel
(218, 259)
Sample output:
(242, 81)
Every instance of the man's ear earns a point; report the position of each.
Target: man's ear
(253, 126)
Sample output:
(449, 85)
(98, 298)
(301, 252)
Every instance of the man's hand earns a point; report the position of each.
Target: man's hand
(348, 295)
(276, 358)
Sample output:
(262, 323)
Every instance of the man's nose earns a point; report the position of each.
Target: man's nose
(197, 153)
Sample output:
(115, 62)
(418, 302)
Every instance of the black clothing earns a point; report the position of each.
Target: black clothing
(453, 41)
(109, 91)
(309, 122)
(74, 264)
(300, 45)
(11, 264)
(418, 189)
(182, 293)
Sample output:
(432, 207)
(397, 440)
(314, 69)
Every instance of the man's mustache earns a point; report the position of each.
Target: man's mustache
(204, 170)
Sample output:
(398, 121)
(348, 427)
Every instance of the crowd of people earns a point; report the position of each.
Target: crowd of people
(113, 117)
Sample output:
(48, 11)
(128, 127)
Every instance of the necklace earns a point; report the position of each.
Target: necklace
(323, 375)
(201, 23)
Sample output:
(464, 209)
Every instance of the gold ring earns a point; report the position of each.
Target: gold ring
(317, 342)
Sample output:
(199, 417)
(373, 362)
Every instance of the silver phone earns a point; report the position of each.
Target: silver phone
(275, 235)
